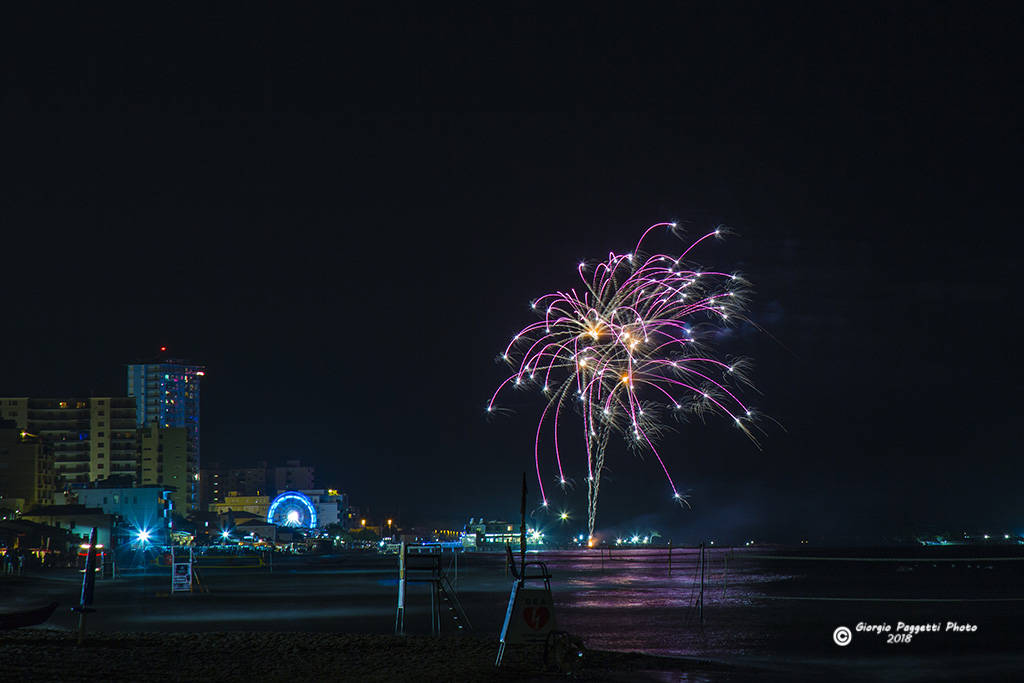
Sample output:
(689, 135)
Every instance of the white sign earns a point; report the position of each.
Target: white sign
(181, 577)
(531, 619)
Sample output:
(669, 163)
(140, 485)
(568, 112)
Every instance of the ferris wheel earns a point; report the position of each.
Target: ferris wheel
(292, 508)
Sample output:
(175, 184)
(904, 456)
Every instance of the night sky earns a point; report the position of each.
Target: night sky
(346, 215)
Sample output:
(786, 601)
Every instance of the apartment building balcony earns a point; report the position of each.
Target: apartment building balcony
(60, 458)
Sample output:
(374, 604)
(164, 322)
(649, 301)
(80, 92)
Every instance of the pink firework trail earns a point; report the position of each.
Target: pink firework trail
(626, 349)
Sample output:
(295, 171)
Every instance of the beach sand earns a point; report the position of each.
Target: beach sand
(53, 655)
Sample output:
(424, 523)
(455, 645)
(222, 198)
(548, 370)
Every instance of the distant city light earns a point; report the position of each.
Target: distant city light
(163, 348)
(143, 535)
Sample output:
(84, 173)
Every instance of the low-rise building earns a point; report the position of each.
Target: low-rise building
(495, 533)
(139, 508)
(27, 475)
(330, 505)
(80, 520)
(257, 505)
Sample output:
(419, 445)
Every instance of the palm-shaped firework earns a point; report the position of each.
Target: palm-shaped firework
(627, 351)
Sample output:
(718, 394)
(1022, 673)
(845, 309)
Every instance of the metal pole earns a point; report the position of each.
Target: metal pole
(522, 530)
(670, 557)
(400, 612)
(433, 611)
(88, 584)
(435, 597)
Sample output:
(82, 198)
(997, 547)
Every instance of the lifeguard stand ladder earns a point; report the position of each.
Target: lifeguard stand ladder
(423, 564)
(512, 630)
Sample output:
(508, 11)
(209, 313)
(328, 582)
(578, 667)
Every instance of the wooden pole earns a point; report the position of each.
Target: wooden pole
(701, 603)
(725, 574)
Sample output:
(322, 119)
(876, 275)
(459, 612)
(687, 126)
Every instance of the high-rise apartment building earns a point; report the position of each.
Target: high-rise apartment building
(91, 438)
(250, 481)
(166, 395)
(212, 483)
(217, 482)
(294, 476)
(164, 463)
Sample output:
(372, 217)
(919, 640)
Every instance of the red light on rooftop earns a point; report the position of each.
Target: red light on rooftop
(163, 348)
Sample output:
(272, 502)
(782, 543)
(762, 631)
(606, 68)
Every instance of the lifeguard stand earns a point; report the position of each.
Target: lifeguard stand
(530, 616)
(422, 563)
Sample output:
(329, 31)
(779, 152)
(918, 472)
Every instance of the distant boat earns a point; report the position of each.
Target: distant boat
(31, 617)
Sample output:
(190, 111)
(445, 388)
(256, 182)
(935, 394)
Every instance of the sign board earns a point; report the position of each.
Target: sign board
(181, 577)
(530, 617)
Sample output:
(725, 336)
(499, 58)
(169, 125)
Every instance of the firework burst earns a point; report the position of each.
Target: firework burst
(628, 349)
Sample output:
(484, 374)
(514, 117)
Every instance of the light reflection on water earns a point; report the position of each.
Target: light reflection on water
(628, 600)
(767, 609)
